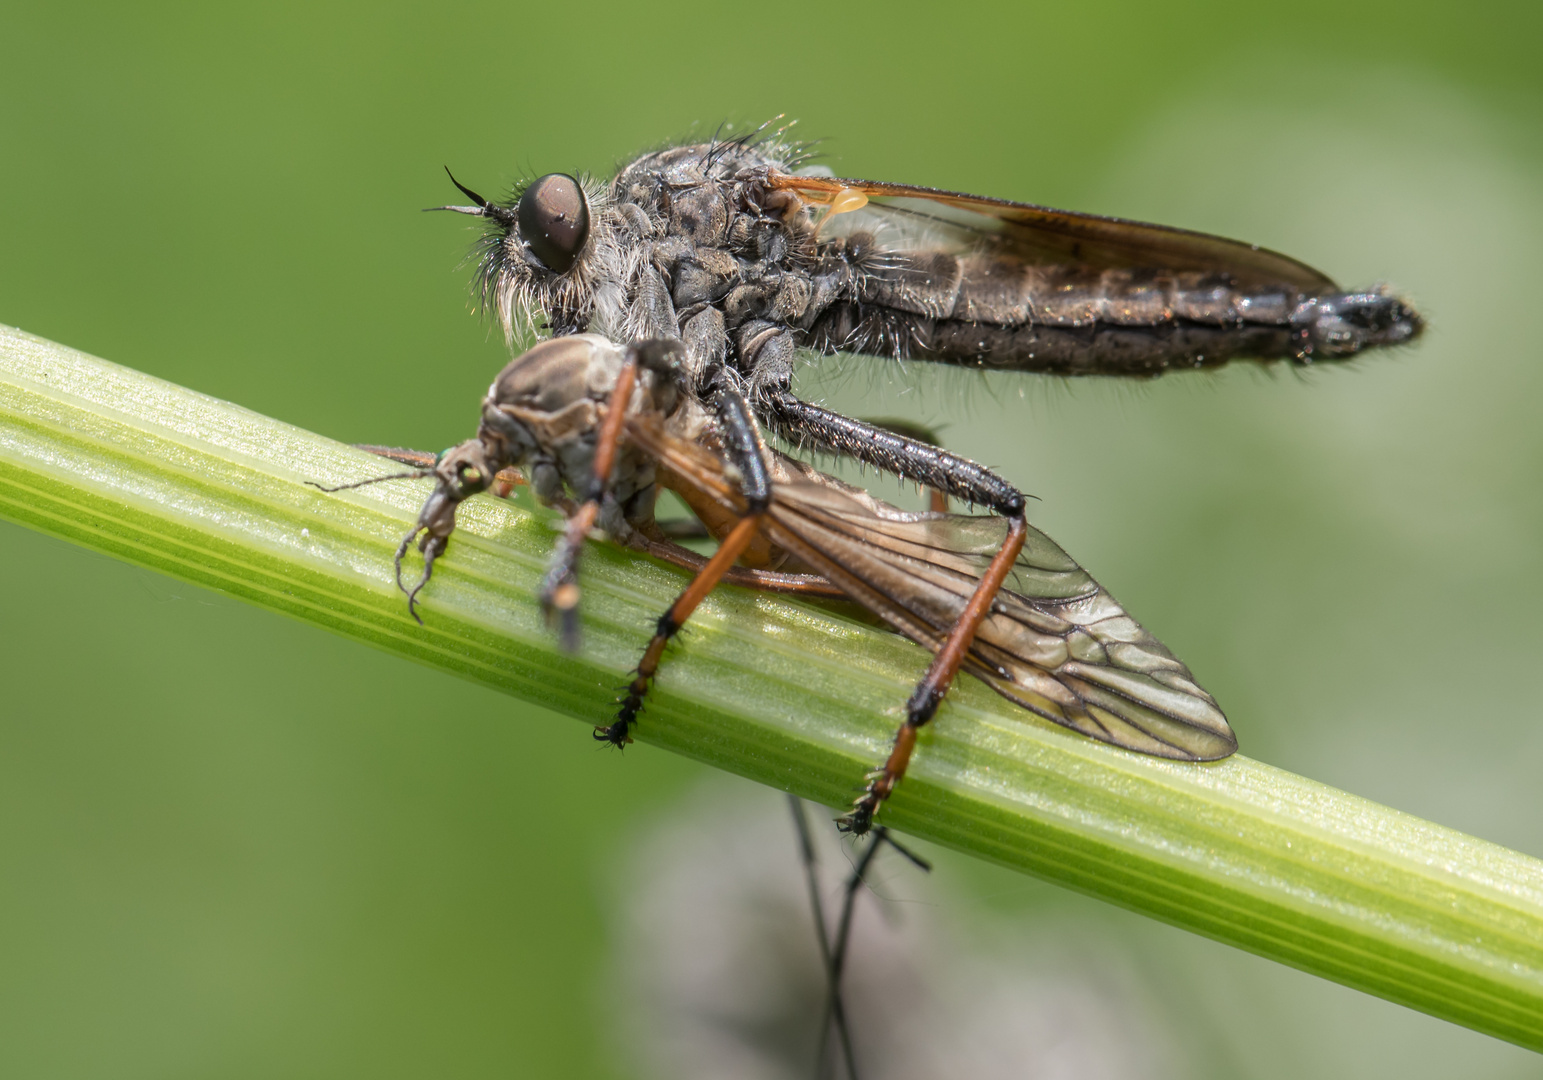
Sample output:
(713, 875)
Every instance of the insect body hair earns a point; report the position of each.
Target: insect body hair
(530, 301)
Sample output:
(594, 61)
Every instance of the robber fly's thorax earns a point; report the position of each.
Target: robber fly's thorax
(722, 262)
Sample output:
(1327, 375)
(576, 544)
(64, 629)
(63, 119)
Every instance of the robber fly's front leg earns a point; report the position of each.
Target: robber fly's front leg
(746, 451)
(942, 471)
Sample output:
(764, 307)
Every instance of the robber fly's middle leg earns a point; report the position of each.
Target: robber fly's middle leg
(923, 463)
(746, 451)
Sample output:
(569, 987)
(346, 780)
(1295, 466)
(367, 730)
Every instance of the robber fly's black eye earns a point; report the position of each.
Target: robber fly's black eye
(554, 220)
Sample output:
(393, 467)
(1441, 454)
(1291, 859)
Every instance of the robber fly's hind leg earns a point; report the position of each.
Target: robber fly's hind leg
(937, 500)
(745, 449)
(879, 445)
(940, 470)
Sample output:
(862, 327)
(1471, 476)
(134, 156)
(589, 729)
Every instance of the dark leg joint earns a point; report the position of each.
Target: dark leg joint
(660, 355)
(923, 704)
(743, 446)
(617, 733)
(860, 819)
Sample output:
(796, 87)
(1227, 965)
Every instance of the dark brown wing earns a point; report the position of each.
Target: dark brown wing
(1039, 235)
(1055, 642)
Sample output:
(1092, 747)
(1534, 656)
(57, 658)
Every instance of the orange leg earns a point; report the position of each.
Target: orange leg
(928, 694)
(559, 590)
(671, 621)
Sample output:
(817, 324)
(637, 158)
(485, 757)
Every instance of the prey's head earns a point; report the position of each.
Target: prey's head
(543, 256)
(459, 473)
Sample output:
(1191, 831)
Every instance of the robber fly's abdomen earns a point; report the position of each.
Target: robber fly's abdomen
(983, 311)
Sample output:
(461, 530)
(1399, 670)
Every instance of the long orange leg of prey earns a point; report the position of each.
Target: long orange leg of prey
(559, 590)
(928, 694)
(671, 621)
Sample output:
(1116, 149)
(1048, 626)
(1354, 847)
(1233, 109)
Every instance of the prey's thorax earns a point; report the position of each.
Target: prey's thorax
(543, 414)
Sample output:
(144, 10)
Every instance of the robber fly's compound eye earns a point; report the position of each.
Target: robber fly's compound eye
(554, 220)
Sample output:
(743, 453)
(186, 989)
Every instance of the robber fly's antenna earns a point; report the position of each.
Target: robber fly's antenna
(500, 214)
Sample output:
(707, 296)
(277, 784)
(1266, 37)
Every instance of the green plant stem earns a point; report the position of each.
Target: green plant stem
(786, 694)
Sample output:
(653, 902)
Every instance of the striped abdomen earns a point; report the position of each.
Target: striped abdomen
(984, 310)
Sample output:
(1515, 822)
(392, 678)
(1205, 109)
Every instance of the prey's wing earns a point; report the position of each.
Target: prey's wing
(905, 217)
(1055, 642)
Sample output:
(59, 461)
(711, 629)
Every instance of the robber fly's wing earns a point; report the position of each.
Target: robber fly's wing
(1055, 642)
(904, 216)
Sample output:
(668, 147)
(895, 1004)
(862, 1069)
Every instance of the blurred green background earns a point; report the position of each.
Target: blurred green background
(232, 845)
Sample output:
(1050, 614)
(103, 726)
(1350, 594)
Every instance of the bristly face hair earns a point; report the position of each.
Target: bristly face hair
(520, 286)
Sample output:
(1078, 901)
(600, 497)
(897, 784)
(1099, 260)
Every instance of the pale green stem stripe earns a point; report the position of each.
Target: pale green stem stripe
(787, 694)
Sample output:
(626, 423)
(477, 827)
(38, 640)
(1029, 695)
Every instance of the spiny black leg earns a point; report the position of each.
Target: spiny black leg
(743, 445)
(802, 423)
(909, 428)
(937, 501)
(617, 734)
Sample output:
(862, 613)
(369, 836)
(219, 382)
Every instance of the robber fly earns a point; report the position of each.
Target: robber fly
(988, 594)
(716, 263)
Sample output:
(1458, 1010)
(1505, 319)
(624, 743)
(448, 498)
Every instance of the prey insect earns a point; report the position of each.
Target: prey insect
(600, 429)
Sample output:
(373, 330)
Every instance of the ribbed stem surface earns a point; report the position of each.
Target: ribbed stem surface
(786, 694)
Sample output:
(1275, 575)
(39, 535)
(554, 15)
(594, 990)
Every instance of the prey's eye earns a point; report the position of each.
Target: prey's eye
(554, 220)
(471, 479)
